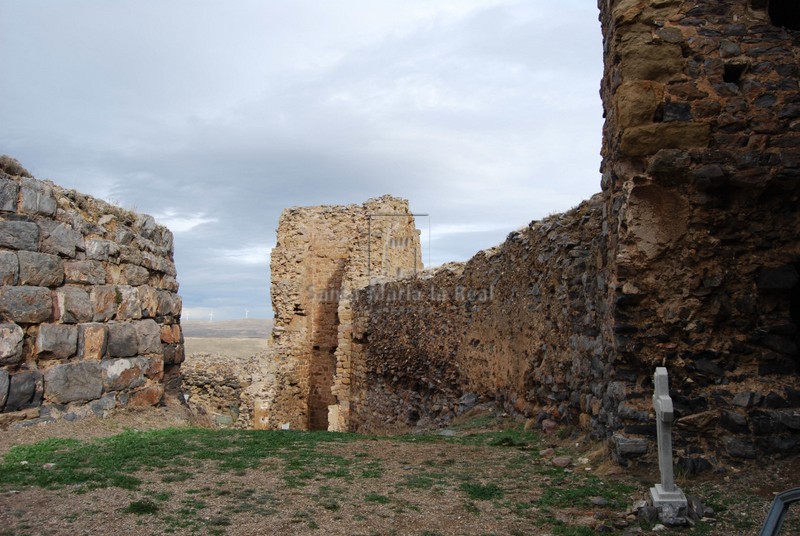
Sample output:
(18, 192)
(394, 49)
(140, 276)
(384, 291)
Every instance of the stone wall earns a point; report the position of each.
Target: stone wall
(322, 253)
(89, 311)
(518, 324)
(689, 259)
(701, 169)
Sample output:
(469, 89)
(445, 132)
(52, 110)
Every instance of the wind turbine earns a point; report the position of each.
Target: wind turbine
(211, 316)
(246, 312)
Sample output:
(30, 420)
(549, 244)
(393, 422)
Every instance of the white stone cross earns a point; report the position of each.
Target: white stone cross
(666, 493)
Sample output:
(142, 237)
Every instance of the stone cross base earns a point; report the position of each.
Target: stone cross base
(672, 505)
(661, 497)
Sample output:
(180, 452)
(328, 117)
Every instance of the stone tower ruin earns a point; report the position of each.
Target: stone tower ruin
(323, 254)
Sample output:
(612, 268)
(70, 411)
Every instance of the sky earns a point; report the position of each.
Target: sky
(214, 116)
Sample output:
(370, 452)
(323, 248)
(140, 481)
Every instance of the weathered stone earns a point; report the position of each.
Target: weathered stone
(86, 272)
(25, 391)
(155, 368)
(746, 399)
(60, 239)
(146, 397)
(26, 305)
(149, 298)
(562, 461)
(105, 301)
(9, 268)
(4, 382)
(74, 305)
(130, 307)
(649, 139)
(57, 341)
(9, 193)
(119, 374)
(628, 447)
(11, 337)
(171, 334)
(638, 101)
(92, 341)
(135, 275)
(169, 304)
(122, 340)
(40, 269)
(37, 198)
(739, 448)
(101, 250)
(74, 382)
(173, 354)
(660, 63)
(21, 235)
(149, 337)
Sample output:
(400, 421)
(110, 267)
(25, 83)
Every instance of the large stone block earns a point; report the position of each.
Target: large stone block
(60, 239)
(638, 101)
(58, 341)
(135, 275)
(148, 334)
(92, 341)
(23, 235)
(120, 374)
(74, 382)
(9, 193)
(169, 304)
(11, 337)
(171, 334)
(122, 340)
(146, 397)
(149, 298)
(105, 301)
(649, 139)
(86, 272)
(4, 382)
(24, 391)
(74, 305)
(26, 305)
(40, 269)
(37, 198)
(9, 268)
(130, 307)
(101, 250)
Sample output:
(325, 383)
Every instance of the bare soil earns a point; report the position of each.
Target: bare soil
(390, 486)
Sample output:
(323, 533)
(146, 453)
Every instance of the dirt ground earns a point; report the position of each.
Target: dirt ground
(390, 486)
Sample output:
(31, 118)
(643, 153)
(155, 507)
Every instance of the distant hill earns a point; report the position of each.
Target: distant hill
(251, 328)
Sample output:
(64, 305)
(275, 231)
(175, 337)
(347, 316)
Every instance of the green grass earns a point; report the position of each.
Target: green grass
(143, 507)
(481, 492)
(376, 498)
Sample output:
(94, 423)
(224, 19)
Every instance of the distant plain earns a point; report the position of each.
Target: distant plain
(231, 338)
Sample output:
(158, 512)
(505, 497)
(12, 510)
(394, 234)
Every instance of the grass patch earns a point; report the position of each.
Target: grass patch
(143, 507)
(376, 498)
(481, 492)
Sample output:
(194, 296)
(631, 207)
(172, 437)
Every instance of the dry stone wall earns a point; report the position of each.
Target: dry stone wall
(89, 311)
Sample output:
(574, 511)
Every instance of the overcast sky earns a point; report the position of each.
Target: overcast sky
(214, 116)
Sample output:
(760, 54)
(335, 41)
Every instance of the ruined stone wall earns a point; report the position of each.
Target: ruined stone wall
(701, 169)
(322, 254)
(518, 324)
(89, 311)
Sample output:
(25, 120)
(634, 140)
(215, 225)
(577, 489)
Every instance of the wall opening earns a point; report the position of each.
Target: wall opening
(785, 13)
